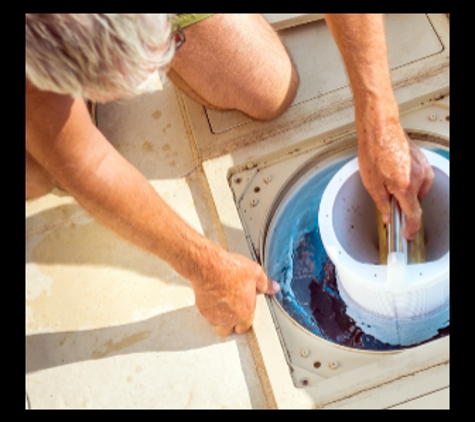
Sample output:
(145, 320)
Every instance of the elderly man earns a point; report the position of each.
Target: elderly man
(227, 62)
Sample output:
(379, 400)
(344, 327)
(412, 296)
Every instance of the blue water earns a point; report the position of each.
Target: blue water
(297, 259)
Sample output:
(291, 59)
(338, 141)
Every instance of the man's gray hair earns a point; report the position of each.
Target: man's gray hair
(97, 56)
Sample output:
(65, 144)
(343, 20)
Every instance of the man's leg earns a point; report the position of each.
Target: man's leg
(236, 62)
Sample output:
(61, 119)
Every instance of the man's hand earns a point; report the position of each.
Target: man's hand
(226, 294)
(392, 164)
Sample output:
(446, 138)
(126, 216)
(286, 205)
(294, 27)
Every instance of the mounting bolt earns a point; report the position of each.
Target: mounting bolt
(254, 202)
(304, 353)
(304, 382)
(334, 364)
(267, 179)
(433, 117)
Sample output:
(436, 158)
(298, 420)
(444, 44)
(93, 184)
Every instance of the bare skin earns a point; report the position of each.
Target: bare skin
(60, 135)
(232, 61)
(390, 162)
(38, 181)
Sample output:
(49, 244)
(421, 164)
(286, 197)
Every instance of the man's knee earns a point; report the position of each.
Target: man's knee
(272, 103)
(237, 62)
(271, 82)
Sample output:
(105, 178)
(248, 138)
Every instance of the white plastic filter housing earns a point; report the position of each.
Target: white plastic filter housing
(411, 308)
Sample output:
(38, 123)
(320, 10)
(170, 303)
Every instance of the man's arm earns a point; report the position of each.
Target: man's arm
(61, 137)
(390, 163)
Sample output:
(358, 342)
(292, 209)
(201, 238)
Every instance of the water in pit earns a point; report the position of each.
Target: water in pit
(320, 291)
(309, 289)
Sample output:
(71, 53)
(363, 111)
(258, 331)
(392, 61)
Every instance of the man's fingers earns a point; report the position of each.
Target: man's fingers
(381, 198)
(426, 185)
(409, 204)
(385, 210)
(224, 331)
(413, 223)
(267, 286)
(412, 211)
(243, 327)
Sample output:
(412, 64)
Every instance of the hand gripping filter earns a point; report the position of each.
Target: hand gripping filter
(400, 303)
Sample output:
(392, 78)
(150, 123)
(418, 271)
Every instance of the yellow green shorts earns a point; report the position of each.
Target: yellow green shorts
(187, 19)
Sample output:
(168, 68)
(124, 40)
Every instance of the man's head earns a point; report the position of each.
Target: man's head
(97, 56)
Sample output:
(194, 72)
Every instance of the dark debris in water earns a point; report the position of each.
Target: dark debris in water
(329, 312)
(326, 305)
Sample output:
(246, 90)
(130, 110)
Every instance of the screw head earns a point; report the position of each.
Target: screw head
(334, 364)
(433, 117)
(267, 179)
(304, 382)
(304, 353)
